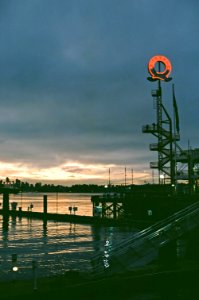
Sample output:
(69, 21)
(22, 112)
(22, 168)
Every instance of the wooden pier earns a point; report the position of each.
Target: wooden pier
(45, 216)
(75, 219)
(108, 205)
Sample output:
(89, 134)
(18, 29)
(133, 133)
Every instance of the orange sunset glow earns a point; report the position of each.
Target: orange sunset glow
(72, 173)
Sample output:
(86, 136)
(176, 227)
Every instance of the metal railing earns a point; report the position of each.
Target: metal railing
(142, 247)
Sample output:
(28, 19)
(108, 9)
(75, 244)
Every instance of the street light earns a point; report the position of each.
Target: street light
(15, 269)
(75, 208)
(14, 265)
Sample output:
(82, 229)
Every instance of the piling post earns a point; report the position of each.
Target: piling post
(45, 210)
(45, 204)
(5, 211)
(5, 204)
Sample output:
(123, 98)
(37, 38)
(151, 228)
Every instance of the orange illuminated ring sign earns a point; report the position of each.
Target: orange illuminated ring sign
(159, 75)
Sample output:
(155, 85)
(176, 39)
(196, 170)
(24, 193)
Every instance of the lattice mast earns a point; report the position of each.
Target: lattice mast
(162, 129)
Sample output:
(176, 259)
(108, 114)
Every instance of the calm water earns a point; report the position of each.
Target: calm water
(60, 247)
(57, 203)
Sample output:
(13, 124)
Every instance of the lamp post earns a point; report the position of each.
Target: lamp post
(75, 208)
(34, 269)
(14, 266)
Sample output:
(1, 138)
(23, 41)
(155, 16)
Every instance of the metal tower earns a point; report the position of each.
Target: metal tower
(162, 129)
(174, 164)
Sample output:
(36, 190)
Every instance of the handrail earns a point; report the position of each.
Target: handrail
(146, 235)
(153, 227)
(156, 233)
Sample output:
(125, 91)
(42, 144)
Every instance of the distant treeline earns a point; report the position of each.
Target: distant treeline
(48, 188)
(20, 186)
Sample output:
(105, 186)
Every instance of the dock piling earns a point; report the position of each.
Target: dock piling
(5, 211)
(45, 204)
(45, 210)
(5, 204)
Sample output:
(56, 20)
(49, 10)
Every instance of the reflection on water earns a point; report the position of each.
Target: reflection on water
(57, 247)
(5, 222)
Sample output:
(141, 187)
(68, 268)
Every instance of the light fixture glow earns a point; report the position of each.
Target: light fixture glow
(15, 269)
(160, 75)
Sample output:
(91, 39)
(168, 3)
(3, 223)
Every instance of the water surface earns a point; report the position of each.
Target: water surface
(58, 248)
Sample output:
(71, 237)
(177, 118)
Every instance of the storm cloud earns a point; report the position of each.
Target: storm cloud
(73, 78)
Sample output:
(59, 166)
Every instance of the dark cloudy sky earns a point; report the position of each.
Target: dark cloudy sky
(73, 88)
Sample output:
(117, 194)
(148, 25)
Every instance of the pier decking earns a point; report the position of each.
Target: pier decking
(73, 218)
(104, 219)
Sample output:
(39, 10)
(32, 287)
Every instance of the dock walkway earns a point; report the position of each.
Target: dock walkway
(74, 218)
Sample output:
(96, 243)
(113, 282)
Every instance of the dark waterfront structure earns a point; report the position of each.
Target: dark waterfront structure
(177, 169)
(172, 205)
(174, 164)
(149, 203)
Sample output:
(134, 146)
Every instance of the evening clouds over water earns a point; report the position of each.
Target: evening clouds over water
(73, 82)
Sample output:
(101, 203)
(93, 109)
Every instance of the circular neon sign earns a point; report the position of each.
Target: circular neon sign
(159, 75)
